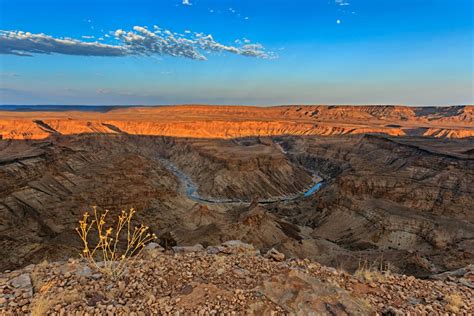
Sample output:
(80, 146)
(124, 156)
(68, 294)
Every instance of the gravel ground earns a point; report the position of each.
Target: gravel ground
(230, 280)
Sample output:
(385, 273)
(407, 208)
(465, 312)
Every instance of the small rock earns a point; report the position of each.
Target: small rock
(29, 267)
(23, 302)
(275, 255)
(466, 282)
(392, 311)
(213, 250)
(154, 245)
(84, 271)
(21, 281)
(121, 285)
(187, 289)
(96, 276)
(152, 251)
(414, 301)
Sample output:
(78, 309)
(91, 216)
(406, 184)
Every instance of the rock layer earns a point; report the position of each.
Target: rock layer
(400, 200)
(237, 121)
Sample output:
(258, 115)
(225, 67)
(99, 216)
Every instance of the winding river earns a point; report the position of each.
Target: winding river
(190, 188)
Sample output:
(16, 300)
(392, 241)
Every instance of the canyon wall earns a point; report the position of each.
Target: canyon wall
(235, 121)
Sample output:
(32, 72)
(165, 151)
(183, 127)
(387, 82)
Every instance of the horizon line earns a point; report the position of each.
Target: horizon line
(243, 105)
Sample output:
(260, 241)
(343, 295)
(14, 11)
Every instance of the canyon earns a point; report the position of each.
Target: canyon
(226, 122)
(340, 185)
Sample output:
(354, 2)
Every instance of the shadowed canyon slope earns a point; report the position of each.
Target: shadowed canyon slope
(238, 121)
(388, 193)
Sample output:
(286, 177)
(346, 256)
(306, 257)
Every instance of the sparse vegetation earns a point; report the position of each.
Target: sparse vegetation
(453, 303)
(45, 301)
(372, 273)
(111, 250)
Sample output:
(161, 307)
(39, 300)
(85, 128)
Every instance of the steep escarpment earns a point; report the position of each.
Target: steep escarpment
(238, 121)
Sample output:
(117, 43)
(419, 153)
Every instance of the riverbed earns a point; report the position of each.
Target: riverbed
(191, 189)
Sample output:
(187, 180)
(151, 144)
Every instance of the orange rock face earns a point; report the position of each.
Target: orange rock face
(240, 121)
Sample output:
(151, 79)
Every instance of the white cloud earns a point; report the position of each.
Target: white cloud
(25, 44)
(87, 36)
(342, 2)
(138, 42)
(186, 2)
(142, 41)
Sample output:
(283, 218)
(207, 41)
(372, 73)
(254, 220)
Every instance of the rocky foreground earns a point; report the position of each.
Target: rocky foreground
(233, 279)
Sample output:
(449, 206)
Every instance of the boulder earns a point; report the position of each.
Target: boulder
(237, 246)
(275, 255)
(301, 294)
(152, 251)
(22, 281)
(188, 249)
(465, 276)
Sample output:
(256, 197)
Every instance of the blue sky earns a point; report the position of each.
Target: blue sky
(261, 52)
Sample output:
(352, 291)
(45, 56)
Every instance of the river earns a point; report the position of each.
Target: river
(190, 188)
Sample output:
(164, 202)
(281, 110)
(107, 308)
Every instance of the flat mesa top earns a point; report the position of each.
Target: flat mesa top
(240, 121)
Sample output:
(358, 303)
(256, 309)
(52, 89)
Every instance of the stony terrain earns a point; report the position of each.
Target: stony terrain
(232, 279)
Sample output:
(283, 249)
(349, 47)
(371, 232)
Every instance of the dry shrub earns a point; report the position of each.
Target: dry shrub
(106, 254)
(371, 272)
(43, 303)
(453, 303)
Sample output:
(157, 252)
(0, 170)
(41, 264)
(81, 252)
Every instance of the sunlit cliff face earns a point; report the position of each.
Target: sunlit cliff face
(231, 122)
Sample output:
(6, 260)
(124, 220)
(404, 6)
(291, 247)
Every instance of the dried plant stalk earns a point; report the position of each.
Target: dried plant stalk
(105, 255)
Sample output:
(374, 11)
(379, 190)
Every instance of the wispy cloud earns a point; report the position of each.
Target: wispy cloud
(26, 44)
(9, 74)
(342, 2)
(187, 2)
(140, 41)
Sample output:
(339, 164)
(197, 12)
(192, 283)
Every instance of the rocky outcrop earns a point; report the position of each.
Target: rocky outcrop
(301, 294)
